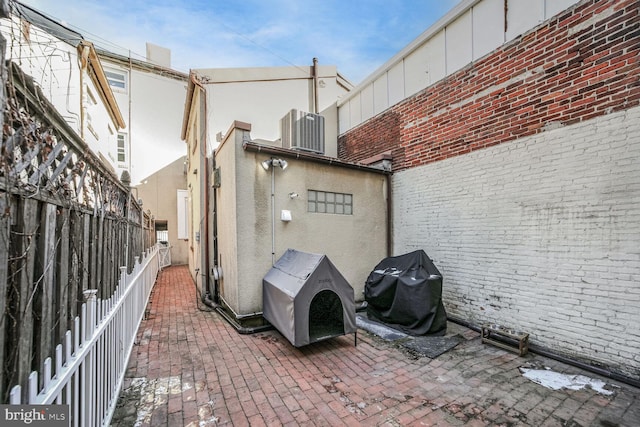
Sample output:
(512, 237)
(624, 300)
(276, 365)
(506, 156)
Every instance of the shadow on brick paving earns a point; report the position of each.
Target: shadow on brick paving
(191, 368)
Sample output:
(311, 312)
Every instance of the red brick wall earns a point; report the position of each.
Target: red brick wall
(582, 64)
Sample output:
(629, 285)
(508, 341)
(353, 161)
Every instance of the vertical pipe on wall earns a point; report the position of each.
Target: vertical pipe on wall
(216, 276)
(389, 217)
(204, 196)
(129, 139)
(315, 86)
(273, 215)
(205, 235)
(84, 63)
(3, 79)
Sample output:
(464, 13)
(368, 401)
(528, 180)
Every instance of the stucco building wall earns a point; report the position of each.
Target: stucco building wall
(159, 195)
(262, 96)
(152, 103)
(245, 219)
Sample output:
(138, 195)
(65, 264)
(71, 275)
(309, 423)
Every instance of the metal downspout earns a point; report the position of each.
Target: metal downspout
(205, 235)
(126, 246)
(315, 86)
(216, 277)
(84, 63)
(389, 217)
(130, 133)
(273, 216)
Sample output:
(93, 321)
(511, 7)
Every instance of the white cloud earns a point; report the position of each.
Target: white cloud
(356, 36)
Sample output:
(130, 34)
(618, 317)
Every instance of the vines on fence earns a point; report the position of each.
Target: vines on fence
(66, 225)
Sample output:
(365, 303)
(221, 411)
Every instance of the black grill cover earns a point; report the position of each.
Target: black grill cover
(405, 292)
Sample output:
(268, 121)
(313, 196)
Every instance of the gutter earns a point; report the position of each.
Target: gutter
(316, 158)
(192, 84)
(129, 62)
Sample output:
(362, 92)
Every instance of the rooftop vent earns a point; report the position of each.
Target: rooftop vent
(303, 131)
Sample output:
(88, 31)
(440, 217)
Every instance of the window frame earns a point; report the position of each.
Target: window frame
(183, 214)
(122, 150)
(329, 202)
(111, 79)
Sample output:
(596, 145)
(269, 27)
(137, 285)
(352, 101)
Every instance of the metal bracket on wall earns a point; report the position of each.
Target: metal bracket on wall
(216, 178)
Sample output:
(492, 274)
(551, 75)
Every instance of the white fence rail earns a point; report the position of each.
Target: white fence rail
(90, 366)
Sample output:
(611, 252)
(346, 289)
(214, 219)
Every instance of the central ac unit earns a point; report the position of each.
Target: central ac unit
(303, 131)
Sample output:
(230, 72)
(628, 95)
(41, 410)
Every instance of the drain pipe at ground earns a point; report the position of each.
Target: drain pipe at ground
(552, 355)
(389, 217)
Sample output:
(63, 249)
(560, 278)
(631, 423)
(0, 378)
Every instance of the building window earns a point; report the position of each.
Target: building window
(183, 211)
(331, 203)
(122, 147)
(117, 79)
(162, 232)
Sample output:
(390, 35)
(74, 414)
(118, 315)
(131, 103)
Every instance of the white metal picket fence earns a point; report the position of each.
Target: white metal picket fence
(90, 366)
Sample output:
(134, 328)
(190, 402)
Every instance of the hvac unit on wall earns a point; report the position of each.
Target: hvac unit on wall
(303, 131)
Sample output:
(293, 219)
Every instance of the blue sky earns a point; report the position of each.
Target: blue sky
(357, 36)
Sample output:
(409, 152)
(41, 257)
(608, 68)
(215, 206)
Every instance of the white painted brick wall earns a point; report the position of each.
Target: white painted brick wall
(542, 234)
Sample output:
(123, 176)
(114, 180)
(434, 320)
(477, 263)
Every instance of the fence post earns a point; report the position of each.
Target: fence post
(15, 394)
(89, 366)
(123, 281)
(4, 13)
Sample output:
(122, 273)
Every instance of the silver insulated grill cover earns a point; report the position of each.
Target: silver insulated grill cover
(295, 286)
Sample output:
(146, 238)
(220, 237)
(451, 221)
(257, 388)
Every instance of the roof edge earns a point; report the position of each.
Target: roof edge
(102, 83)
(436, 27)
(248, 145)
(191, 88)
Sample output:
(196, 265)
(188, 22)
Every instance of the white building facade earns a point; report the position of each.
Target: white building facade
(67, 69)
(151, 98)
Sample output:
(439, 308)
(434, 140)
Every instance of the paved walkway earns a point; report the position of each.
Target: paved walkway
(190, 368)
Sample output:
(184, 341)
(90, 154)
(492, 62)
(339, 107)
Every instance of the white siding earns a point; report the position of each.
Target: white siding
(355, 110)
(344, 117)
(470, 31)
(396, 83)
(416, 68)
(367, 102)
(488, 27)
(380, 94)
(522, 15)
(436, 50)
(553, 7)
(459, 43)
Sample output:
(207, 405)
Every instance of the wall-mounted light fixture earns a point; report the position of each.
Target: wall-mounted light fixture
(266, 164)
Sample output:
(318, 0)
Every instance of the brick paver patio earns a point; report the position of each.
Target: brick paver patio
(191, 368)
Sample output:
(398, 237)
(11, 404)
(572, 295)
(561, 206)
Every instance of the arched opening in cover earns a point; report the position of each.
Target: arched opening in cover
(325, 316)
